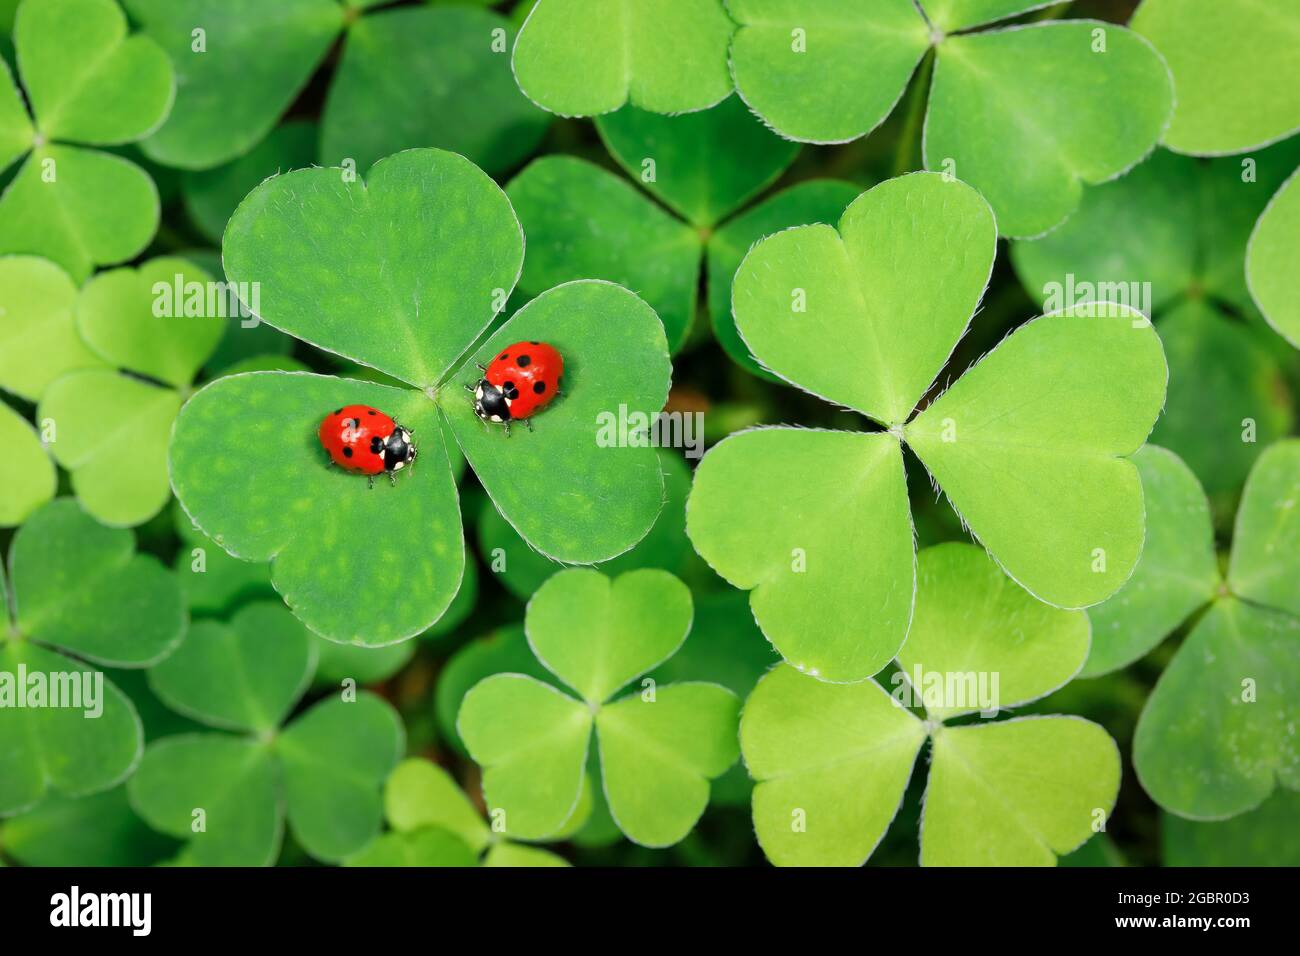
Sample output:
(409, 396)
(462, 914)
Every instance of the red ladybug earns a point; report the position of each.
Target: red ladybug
(365, 440)
(522, 380)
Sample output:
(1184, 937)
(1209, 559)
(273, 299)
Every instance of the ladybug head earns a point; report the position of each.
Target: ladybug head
(491, 403)
(399, 449)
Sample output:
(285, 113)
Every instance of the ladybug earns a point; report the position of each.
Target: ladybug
(365, 440)
(522, 380)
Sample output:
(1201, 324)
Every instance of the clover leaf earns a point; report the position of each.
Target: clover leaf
(89, 84)
(1225, 56)
(1174, 231)
(213, 581)
(65, 570)
(1025, 114)
(866, 316)
(403, 274)
(229, 795)
(38, 331)
(424, 806)
(1269, 259)
(586, 57)
(27, 477)
(658, 749)
(583, 221)
(1211, 741)
(110, 429)
(832, 761)
(98, 830)
(1263, 837)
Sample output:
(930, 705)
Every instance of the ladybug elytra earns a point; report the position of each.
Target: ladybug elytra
(522, 380)
(364, 440)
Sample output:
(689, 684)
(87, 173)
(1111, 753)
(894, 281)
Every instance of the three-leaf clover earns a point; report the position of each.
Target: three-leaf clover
(1174, 232)
(1270, 261)
(832, 761)
(586, 57)
(1029, 445)
(1214, 737)
(404, 274)
(658, 746)
(229, 794)
(89, 84)
(424, 807)
(436, 76)
(78, 597)
(1234, 64)
(111, 429)
(1026, 114)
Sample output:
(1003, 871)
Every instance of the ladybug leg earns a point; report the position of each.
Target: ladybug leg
(370, 481)
(481, 367)
(528, 423)
(469, 387)
(392, 479)
(507, 424)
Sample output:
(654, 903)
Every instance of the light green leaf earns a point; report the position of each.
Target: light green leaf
(97, 210)
(795, 515)
(532, 742)
(38, 338)
(232, 781)
(430, 847)
(657, 757)
(807, 202)
(1029, 114)
(1265, 566)
(99, 416)
(1264, 837)
(835, 758)
(27, 477)
(333, 759)
(603, 494)
(1270, 260)
(1226, 57)
(1030, 446)
(245, 675)
(1017, 793)
(1177, 572)
(80, 587)
(87, 81)
(825, 71)
(972, 619)
(337, 663)
(598, 634)
(16, 132)
(420, 794)
(454, 90)
(314, 522)
(585, 223)
(868, 315)
(117, 316)
(584, 57)
(399, 273)
(514, 855)
(256, 58)
(1215, 735)
(706, 165)
(953, 15)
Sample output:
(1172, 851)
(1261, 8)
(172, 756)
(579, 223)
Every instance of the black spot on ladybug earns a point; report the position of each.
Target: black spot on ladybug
(534, 343)
(347, 452)
(505, 355)
(523, 361)
(372, 412)
(376, 445)
(539, 387)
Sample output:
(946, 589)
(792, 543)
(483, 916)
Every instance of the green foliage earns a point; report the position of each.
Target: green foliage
(1269, 261)
(1263, 837)
(658, 749)
(832, 761)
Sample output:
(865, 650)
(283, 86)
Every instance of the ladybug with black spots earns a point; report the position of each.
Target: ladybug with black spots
(522, 380)
(364, 440)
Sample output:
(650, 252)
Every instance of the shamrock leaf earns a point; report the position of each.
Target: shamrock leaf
(437, 242)
(64, 571)
(454, 90)
(434, 824)
(98, 830)
(826, 72)
(1263, 837)
(229, 795)
(657, 749)
(213, 581)
(1268, 257)
(866, 316)
(1225, 56)
(1212, 740)
(585, 222)
(832, 761)
(1170, 239)
(111, 429)
(88, 83)
(584, 57)
(27, 478)
(38, 334)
